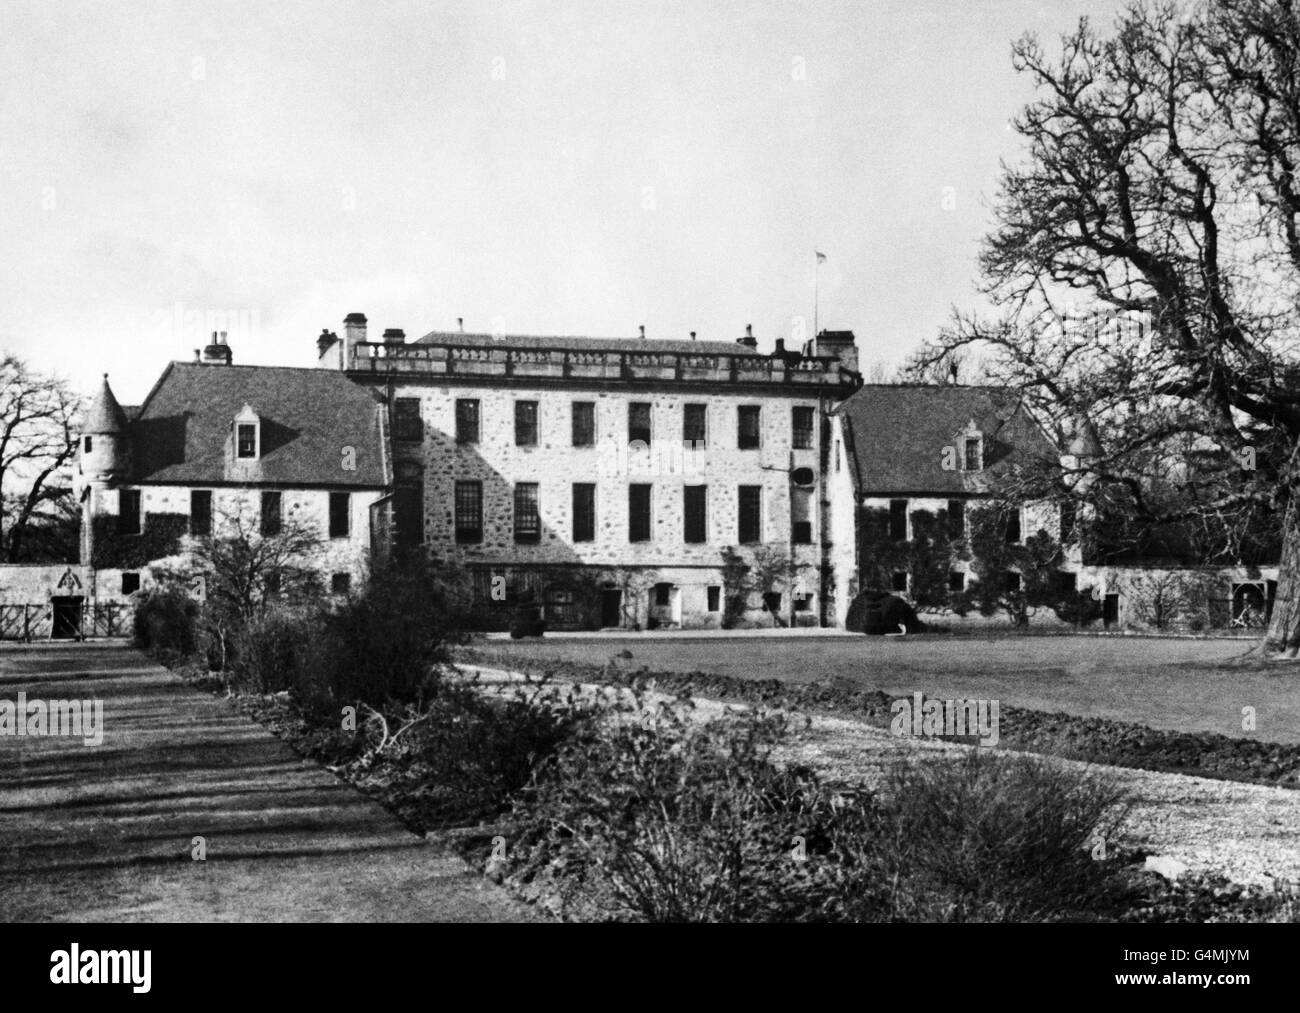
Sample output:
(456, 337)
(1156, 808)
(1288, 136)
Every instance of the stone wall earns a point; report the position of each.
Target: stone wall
(233, 507)
(555, 465)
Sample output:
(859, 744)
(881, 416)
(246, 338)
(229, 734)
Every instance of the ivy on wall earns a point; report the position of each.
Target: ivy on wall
(161, 537)
(929, 554)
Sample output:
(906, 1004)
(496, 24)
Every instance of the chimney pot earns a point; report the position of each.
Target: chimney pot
(749, 330)
(460, 324)
(643, 331)
(198, 355)
(692, 335)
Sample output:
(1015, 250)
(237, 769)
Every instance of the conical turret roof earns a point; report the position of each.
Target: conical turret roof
(105, 415)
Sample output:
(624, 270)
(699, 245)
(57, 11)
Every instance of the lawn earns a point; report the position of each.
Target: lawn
(1180, 685)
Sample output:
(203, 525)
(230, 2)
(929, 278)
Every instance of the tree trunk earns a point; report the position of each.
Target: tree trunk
(1283, 636)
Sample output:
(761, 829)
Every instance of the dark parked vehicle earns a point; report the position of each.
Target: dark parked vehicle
(879, 612)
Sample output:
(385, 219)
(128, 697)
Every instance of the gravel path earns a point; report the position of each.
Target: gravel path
(106, 832)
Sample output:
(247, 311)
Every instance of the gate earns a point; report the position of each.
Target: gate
(64, 619)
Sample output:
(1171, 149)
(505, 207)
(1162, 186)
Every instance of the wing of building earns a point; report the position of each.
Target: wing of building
(909, 454)
(216, 447)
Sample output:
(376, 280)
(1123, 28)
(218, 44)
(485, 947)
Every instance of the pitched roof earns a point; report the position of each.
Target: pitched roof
(307, 415)
(581, 344)
(896, 435)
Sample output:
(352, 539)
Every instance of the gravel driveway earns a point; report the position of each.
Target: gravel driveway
(106, 833)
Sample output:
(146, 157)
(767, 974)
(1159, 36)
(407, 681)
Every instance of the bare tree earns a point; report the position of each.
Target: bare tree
(1145, 266)
(38, 436)
(239, 572)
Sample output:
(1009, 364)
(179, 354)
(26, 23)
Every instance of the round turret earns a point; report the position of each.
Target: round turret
(103, 450)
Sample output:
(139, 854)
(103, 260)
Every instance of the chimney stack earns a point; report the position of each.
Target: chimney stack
(354, 334)
(217, 352)
(748, 340)
(394, 336)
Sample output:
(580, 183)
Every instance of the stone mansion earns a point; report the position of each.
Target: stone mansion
(616, 482)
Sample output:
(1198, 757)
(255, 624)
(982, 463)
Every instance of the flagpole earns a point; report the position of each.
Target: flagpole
(817, 271)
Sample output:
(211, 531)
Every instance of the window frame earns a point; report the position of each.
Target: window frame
(253, 447)
(898, 511)
(692, 524)
(701, 410)
(462, 422)
(752, 441)
(754, 512)
(527, 513)
(584, 510)
(204, 495)
(634, 437)
(797, 432)
(955, 532)
(636, 489)
(523, 438)
(465, 534)
(135, 497)
(408, 423)
(264, 527)
(590, 434)
(345, 515)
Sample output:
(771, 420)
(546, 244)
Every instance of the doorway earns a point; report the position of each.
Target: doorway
(1110, 611)
(67, 617)
(611, 607)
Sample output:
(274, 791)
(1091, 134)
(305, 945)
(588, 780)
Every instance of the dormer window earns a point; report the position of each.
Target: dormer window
(247, 440)
(248, 435)
(971, 442)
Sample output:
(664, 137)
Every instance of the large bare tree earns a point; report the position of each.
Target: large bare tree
(1144, 267)
(38, 437)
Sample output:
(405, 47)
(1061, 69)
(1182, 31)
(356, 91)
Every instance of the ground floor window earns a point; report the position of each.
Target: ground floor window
(714, 595)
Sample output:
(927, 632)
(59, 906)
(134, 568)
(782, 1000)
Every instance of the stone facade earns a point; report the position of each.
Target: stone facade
(665, 579)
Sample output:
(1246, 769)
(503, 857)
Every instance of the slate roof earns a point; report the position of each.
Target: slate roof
(895, 435)
(581, 344)
(307, 415)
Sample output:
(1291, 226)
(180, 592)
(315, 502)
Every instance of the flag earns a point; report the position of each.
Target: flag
(821, 257)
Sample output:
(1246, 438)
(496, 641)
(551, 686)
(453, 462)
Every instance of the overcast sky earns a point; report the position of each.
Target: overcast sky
(578, 168)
